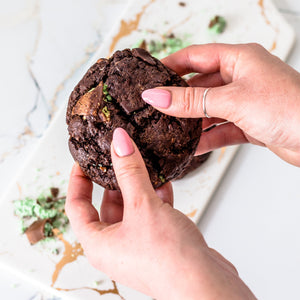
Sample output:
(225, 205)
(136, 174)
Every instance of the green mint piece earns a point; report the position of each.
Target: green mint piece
(44, 213)
(217, 25)
(155, 47)
(137, 44)
(65, 218)
(170, 45)
(59, 205)
(106, 112)
(43, 201)
(48, 230)
(162, 178)
(56, 223)
(24, 208)
(107, 97)
(61, 221)
(104, 89)
(55, 251)
(47, 239)
(23, 227)
(173, 42)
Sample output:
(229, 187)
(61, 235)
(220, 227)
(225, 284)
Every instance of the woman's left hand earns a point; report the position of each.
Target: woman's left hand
(141, 241)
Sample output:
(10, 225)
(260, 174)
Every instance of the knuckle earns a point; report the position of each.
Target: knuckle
(187, 98)
(190, 101)
(129, 170)
(256, 46)
(189, 57)
(254, 49)
(253, 45)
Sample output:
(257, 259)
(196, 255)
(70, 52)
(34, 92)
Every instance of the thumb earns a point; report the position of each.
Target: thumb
(187, 102)
(131, 173)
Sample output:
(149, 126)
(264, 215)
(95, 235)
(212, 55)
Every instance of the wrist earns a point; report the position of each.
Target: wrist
(203, 275)
(183, 278)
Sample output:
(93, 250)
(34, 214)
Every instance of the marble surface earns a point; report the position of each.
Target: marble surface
(254, 216)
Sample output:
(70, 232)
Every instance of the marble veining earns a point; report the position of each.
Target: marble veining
(52, 42)
(47, 45)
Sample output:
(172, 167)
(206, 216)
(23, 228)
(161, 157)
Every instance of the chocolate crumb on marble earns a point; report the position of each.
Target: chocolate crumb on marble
(35, 232)
(109, 96)
(54, 191)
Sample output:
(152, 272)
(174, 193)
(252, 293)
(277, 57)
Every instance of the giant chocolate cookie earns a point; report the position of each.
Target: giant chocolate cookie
(109, 96)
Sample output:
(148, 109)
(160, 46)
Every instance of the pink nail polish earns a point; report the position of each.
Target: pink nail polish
(157, 97)
(122, 142)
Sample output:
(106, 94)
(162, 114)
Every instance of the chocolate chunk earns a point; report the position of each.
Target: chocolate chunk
(144, 55)
(54, 192)
(35, 232)
(89, 103)
(143, 45)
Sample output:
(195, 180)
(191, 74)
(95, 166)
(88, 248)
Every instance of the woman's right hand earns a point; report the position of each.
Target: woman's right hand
(255, 91)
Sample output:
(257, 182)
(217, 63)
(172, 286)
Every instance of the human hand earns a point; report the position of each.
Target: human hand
(147, 245)
(255, 91)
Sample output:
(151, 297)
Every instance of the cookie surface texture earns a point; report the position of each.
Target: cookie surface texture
(109, 96)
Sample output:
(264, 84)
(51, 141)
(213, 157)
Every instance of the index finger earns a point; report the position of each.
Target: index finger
(204, 59)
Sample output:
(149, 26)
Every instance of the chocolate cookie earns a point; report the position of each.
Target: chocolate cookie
(109, 96)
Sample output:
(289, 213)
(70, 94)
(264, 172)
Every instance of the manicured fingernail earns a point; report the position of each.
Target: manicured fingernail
(157, 97)
(122, 142)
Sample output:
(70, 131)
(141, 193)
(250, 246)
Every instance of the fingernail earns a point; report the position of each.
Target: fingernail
(122, 142)
(157, 97)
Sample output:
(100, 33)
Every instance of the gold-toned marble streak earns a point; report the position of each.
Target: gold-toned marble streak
(223, 150)
(127, 27)
(171, 29)
(19, 190)
(192, 213)
(263, 13)
(90, 49)
(114, 290)
(32, 12)
(71, 253)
